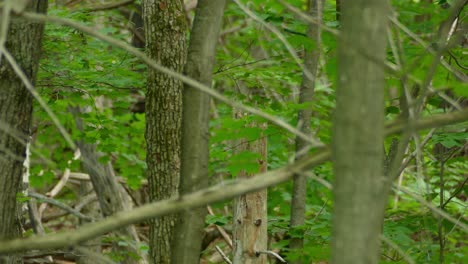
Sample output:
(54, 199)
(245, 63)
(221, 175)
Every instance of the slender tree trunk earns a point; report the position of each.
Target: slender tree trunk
(311, 60)
(195, 124)
(360, 186)
(91, 209)
(250, 222)
(166, 29)
(24, 40)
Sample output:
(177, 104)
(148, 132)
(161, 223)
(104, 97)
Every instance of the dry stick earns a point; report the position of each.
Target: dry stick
(59, 186)
(226, 259)
(221, 230)
(36, 222)
(55, 190)
(274, 254)
(60, 205)
(78, 207)
(217, 193)
(178, 76)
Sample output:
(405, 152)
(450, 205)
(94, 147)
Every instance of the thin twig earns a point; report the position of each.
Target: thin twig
(434, 209)
(398, 249)
(202, 197)
(221, 230)
(99, 258)
(226, 259)
(280, 36)
(460, 188)
(187, 80)
(27, 83)
(60, 205)
(274, 254)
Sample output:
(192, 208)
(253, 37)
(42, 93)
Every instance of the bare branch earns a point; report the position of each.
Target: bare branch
(189, 81)
(60, 205)
(203, 197)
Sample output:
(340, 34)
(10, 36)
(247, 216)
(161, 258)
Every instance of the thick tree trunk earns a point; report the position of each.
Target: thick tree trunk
(359, 189)
(24, 40)
(166, 29)
(250, 222)
(311, 60)
(195, 123)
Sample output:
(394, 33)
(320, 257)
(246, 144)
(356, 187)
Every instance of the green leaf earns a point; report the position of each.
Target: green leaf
(219, 220)
(392, 110)
(245, 161)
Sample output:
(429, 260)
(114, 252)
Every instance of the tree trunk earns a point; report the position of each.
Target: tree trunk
(250, 222)
(359, 189)
(91, 209)
(24, 40)
(311, 60)
(338, 10)
(166, 29)
(195, 124)
(112, 199)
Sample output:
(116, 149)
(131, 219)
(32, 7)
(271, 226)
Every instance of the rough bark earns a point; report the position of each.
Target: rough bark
(358, 154)
(250, 222)
(311, 60)
(24, 40)
(195, 123)
(166, 29)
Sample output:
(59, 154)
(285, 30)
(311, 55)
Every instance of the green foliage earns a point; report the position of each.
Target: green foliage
(450, 140)
(219, 220)
(253, 67)
(79, 71)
